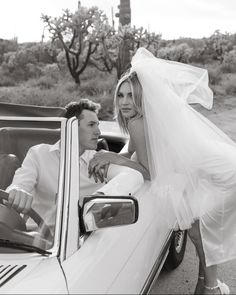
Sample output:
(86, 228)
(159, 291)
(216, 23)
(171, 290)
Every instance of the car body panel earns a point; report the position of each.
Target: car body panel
(115, 260)
(119, 259)
(41, 275)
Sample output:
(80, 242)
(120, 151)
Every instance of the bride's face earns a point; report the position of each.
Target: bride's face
(125, 101)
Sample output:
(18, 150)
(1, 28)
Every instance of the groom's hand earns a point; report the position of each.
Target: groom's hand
(20, 200)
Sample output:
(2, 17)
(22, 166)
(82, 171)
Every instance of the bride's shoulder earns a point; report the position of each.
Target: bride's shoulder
(135, 125)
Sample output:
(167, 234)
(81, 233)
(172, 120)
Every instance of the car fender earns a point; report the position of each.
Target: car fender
(119, 259)
(31, 273)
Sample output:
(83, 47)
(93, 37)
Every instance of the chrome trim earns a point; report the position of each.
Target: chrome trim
(108, 212)
(60, 194)
(7, 272)
(179, 240)
(66, 186)
(156, 269)
(43, 119)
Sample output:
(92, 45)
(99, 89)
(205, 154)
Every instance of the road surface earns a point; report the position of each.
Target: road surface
(183, 279)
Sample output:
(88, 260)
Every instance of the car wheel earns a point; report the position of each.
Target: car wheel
(176, 250)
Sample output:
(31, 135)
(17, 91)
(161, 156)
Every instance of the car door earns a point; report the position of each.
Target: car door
(115, 259)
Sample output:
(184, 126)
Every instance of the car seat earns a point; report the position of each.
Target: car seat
(15, 143)
(8, 165)
(102, 144)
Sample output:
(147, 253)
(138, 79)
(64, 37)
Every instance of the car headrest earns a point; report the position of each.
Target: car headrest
(102, 144)
(17, 141)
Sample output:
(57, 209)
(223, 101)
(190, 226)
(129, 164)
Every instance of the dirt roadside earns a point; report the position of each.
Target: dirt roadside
(223, 114)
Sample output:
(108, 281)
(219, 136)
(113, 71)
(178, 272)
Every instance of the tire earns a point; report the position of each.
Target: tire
(176, 250)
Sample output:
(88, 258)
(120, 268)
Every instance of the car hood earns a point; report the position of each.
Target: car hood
(29, 274)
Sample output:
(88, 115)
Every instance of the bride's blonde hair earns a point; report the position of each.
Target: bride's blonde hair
(136, 89)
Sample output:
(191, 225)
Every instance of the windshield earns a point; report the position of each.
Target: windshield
(29, 174)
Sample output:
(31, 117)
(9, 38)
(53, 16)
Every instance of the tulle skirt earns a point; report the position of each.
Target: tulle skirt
(218, 205)
(211, 199)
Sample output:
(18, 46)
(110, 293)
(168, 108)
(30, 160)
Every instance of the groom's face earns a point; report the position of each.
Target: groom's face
(89, 131)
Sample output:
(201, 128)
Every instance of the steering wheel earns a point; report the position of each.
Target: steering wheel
(14, 220)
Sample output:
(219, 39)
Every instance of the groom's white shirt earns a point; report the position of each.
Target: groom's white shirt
(39, 173)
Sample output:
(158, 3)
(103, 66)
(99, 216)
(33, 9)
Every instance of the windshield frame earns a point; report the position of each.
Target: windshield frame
(60, 192)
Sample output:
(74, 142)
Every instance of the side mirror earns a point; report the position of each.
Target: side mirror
(106, 211)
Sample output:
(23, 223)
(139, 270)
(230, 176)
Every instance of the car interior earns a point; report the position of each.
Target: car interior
(16, 141)
(14, 144)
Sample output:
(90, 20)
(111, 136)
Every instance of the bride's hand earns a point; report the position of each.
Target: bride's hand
(99, 164)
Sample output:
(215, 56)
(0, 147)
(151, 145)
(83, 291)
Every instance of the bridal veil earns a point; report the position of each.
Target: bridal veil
(191, 161)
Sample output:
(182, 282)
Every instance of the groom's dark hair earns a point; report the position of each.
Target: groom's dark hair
(75, 108)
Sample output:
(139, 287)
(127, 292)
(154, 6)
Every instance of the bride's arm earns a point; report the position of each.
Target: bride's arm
(128, 152)
(101, 159)
(137, 134)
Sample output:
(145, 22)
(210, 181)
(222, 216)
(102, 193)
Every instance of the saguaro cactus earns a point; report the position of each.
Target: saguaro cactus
(125, 12)
(124, 19)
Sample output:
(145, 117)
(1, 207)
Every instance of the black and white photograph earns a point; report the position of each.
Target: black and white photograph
(118, 147)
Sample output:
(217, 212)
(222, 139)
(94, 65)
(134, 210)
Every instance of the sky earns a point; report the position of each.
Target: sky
(170, 18)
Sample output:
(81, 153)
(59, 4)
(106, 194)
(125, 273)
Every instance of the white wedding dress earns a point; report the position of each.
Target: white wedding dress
(192, 163)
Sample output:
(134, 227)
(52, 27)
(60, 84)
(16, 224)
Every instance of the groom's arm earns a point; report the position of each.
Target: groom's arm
(122, 181)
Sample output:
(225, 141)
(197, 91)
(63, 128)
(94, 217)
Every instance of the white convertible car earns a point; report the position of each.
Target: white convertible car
(112, 245)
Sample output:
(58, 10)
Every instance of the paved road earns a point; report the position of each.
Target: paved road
(183, 279)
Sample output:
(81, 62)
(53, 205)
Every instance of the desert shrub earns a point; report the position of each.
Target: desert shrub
(61, 62)
(5, 80)
(89, 89)
(95, 87)
(107, 108)
(92, 73)
(229, 62)
(43, 52)
(20, 65)
(50, 76)
(94, 82)
(230, 86)
(7, 46)
(44, 82)
(218, 90)
(215, 74)
(70, 86)
(52, 70)
(34, 95)
(33, 71)
(218, 45)
(181, 53)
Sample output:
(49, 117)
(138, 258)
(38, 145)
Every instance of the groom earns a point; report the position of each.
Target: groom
(32, 175)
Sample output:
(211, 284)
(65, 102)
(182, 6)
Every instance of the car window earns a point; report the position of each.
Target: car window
(30, 161)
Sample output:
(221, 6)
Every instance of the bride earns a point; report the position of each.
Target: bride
(190, 162)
